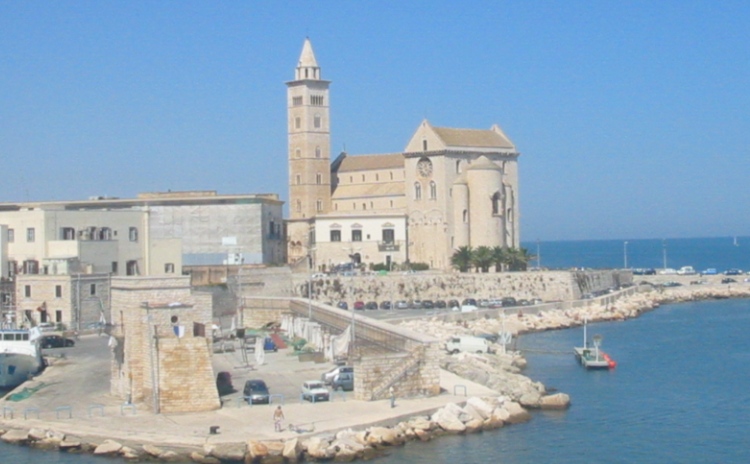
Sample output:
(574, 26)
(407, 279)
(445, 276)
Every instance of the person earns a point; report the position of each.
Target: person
(392, 393)
(278, 416)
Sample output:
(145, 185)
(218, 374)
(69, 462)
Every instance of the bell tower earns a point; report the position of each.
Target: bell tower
(309, 152)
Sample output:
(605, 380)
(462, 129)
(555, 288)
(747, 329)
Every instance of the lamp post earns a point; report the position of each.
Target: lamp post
(664, 253)
(625, 253)
(538, 256)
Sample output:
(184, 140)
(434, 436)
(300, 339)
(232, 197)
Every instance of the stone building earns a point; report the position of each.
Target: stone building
(161, 354)
(448, 188)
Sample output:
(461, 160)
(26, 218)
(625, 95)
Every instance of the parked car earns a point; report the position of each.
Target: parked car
(509, 301)
(56, 341)
(709, 271)
(343, 381)
(454, 304)
(686, 270)
(342, 305)
(427, 304)
(672, 284)
(224, 383)
(315, 390)
(733, 272)
(47, 326)
(441, 304)
(728, 280)
(359, 305)
(468, 344)
(385, 304)
(402, 304)
(327, 377)
(469, 302)
(371, 305)
(416, 304)
(256, 392)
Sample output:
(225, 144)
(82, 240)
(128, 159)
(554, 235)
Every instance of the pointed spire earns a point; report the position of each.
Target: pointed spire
(307, 68)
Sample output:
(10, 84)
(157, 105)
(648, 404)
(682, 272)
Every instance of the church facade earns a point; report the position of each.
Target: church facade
(448, 188)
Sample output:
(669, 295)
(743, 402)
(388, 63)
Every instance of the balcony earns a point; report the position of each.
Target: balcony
(388, 246)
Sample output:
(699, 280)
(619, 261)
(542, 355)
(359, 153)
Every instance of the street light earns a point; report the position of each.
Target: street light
(664, 253)
(625, 253)
(538, 256)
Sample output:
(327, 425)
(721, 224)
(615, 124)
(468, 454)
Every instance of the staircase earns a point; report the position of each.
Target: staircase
(401, 369)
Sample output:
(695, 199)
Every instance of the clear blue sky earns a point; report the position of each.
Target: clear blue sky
(632, 117)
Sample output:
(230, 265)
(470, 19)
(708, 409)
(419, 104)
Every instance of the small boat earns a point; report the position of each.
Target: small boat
(20, 356)
(593, 358)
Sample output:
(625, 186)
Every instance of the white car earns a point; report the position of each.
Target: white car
(327, 377)
(314, 391)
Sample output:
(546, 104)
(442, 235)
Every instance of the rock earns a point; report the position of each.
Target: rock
(448, 421)
(172, 456)
(256, 449)
(317, 448)
(423, 435)
(16, 436)
(68, 444)
(292, 450)
(492, 423)
(203, 459)
(474, 425)
(556, 401)
(456, 410)
(37, 434)
(108, 448)
(129, 453)
(420, 423)
(480, 406)
(345, 455)
(227, 451)
(472, 413)
(516, 414)
(275, 448)
(152, 450)
(45, 444)
(383, 435)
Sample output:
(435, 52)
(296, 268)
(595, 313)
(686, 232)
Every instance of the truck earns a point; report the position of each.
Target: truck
(468, 344)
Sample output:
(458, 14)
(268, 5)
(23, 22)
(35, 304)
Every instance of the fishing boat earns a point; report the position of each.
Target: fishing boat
(593, 358)
(20, 356)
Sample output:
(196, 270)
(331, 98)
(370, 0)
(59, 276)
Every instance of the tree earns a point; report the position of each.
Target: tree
(499, 257)
(519, 258)
(483, 258)
(461, 258)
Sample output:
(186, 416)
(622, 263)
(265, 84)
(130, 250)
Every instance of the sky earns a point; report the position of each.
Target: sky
(632, 118)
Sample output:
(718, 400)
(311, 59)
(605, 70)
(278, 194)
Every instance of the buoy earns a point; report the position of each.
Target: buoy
(612, 364)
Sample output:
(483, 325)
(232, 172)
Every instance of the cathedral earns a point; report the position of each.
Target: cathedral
(448, 188)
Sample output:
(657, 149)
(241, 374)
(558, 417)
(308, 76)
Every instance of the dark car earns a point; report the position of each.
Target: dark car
(415, 304)
(402, 304)
(224, 383)
(371, 305)
(453, 304)
(733, 272)
(440, 304)
(728, 280)
(343, 381)
(342, 305)
(385, 305)
(509, 301)
(56, 341)
(427, 304)
(469, 302)
(256, 392)
(359, 305)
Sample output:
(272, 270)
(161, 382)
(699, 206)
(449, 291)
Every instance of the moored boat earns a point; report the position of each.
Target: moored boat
(593, 358)
(20, 356)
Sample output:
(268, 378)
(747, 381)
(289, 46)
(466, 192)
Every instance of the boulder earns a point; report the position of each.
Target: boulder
(256, 450)
(530, 399)
(480, 406)
(275, 448)
(474, 426)
(420, 423)
(152, 450)
(423, 435)
(292, 450)
(16, 436)
(456, 410)
(556, 401)
(516, 414)
(129, 453)
(383, 435)
(69, 444)
(108, 448)
(317, 448)
(345, 455)
(448, 421)
(227, 451)
(472, 413)
(37, 434)
(492, 423)
(201, 458)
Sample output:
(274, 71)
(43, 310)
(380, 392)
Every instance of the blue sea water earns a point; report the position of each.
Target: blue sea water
(679, 393)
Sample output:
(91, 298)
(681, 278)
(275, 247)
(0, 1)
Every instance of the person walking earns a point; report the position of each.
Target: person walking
(392, 394)
(278, 416)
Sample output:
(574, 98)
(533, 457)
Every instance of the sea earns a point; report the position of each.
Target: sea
(679, 393)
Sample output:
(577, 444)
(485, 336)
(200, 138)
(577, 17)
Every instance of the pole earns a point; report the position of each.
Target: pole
(664, 253)
(625, 252)
(538, 256)
(309, 297)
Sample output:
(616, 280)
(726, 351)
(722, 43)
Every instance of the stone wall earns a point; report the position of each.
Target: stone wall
(412, 373)
(186, 381)
(549, 285)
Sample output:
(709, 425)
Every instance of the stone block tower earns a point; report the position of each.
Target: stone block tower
(309, 152)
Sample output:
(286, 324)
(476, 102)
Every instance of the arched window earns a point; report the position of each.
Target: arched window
(417, 191)
(424, 145)
(317, 152)
(466, 216)
(496, 203)
(433, 190)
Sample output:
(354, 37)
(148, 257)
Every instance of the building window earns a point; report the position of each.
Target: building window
(133, 234)
(31, 266)
(318, 178)
(417, 191)
(389, 236)
(114, 267)
(298, 179)
(67, 233)
(316, 121)
(92, 289)
(27, 291)
(317, 152)
(424, 145)
(105, 233)
(458, 166)
(496, 204)
(319, 205)
(58, 316)
(30, 234)
(466, 216)
(296, 101)
(316, 100)
(351, 179)
(391, 175)
(298, 153)
(131, 268)
(356, 235)
(58, 291)
(391, 203)
(299, 206)
(11, 235)
(335, 235)
(297, 123)
(169, 268)
(363, 177)
(433, 190)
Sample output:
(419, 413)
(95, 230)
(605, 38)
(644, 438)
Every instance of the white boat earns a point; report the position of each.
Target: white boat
(20, 356)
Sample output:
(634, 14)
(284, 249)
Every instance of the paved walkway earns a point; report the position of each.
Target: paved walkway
(81, 382)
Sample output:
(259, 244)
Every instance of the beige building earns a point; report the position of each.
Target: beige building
(448, 188)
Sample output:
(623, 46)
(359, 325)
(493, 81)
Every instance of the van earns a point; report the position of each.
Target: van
(468, 344)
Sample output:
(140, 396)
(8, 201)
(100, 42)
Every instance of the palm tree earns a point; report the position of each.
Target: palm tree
(500, 257)
(482, 258)
(519, 258)
(461, 258)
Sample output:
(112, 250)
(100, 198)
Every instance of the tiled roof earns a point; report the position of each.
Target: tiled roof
(368, 190)
(472, 138)
(371, 162)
